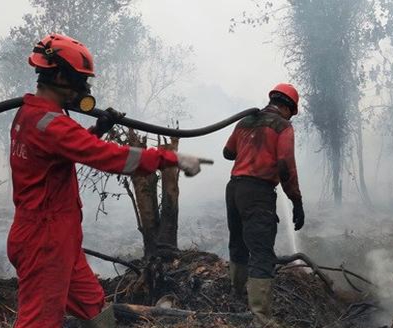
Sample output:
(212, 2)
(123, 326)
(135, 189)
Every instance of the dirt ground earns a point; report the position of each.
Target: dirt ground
(198, 282)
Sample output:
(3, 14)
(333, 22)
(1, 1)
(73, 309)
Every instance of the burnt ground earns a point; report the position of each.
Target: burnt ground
(198, 281)
(8, 290)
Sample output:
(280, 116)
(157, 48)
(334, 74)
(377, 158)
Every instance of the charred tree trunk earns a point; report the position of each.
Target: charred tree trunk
(170, 201)
(337, 180)
(146, 198)
(362, 182)
(157, 226)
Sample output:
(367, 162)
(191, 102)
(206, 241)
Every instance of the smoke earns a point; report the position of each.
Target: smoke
(380, 262)
(6, 270)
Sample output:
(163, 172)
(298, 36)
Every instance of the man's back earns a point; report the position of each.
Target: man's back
(255, 142)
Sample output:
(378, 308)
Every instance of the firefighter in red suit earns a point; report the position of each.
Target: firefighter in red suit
(44, 243)
(262, 147)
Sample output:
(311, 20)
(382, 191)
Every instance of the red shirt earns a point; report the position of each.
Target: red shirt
(263, 147)
(45, 144)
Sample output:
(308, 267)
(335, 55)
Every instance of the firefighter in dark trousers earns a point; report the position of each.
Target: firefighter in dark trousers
(44, 243)
(262, 147)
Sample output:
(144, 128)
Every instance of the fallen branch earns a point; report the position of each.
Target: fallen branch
(133, 311)
(284, 260)
(113, 259)
(342, 270)
(350, 283)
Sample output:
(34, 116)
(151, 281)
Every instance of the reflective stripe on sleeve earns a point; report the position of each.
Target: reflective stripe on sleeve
(46, 120)
(133, 160)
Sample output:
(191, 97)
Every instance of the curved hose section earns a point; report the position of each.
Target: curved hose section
(10, 104)
(156, 129)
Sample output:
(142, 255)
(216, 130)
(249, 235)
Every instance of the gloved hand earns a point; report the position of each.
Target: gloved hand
(107, 121)
(153, 159)
(298, 214)
(189, 164)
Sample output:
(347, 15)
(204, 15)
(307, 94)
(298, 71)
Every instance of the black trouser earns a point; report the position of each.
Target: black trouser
(252, 223)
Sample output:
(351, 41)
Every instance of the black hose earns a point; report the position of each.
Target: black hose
(10, 104)
(139, 125)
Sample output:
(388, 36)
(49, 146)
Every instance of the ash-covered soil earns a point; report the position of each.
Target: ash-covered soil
(198, 282)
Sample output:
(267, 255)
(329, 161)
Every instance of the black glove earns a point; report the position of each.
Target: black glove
(107, 121)
(298, 214)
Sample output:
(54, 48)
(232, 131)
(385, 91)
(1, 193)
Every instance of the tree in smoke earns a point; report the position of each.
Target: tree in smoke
(381, 73)
(137, 73)
(380, 86)
(157, 214)
(325, 45)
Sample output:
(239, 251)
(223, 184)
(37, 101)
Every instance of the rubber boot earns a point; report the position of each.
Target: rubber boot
(106, 319)
(260, 298)
(238, 274)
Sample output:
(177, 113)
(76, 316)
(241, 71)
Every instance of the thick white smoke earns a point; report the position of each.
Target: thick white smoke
(380, 262)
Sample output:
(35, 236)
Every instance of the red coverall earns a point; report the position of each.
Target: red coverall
(44, 243)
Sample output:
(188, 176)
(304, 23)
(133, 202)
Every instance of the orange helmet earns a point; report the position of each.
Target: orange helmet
(57, 50)
(289, 91)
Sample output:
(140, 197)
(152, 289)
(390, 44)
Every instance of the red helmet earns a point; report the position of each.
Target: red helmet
(55, 50)
(289, 91)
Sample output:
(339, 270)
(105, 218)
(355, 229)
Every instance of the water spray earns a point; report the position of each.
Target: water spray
(285, 206)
